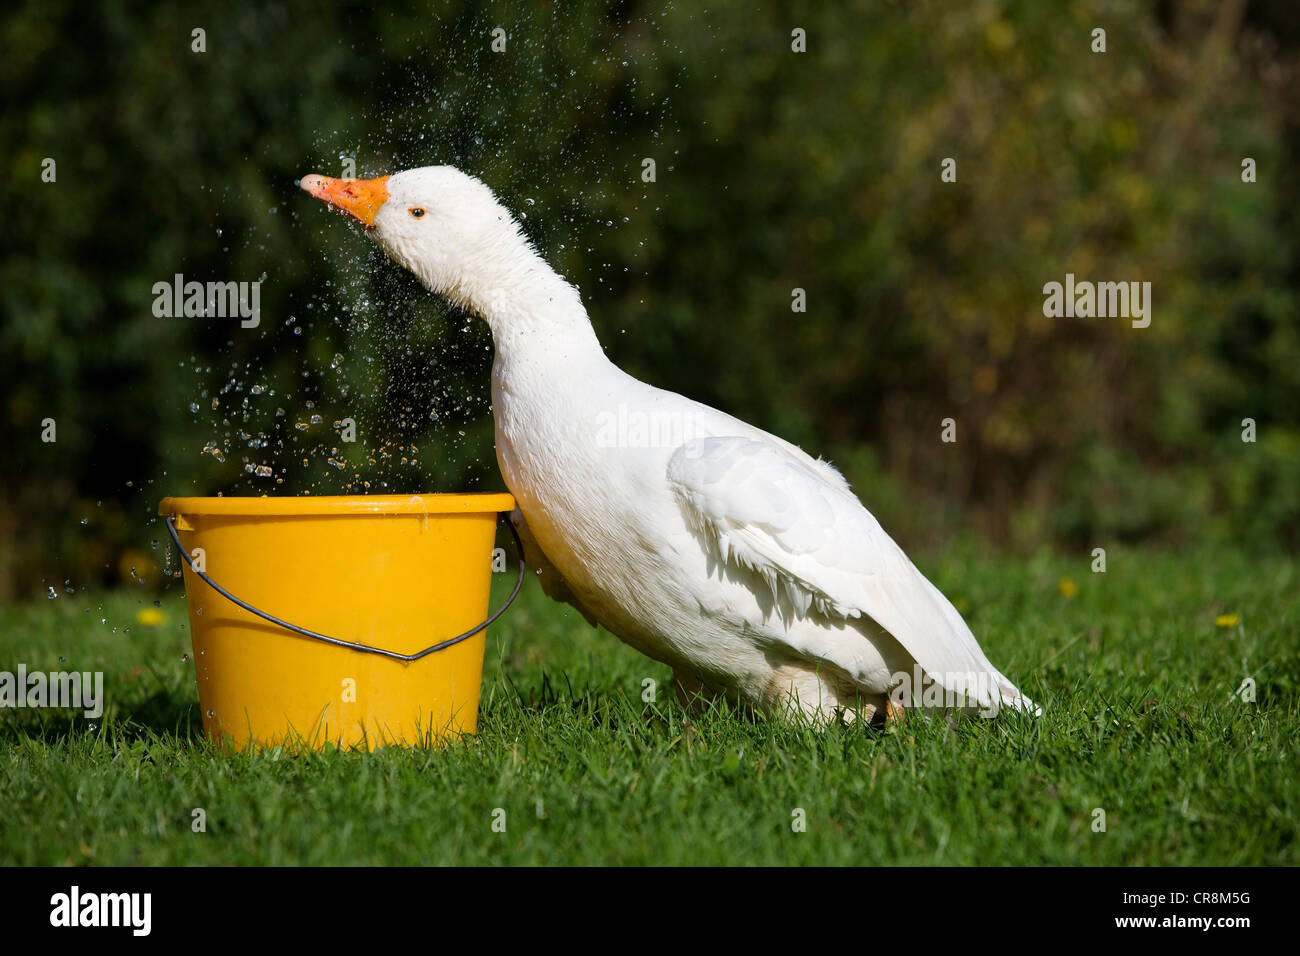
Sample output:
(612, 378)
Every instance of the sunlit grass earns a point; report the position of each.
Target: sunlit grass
(1138, 671)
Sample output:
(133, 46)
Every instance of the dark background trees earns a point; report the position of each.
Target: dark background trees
(775, 170)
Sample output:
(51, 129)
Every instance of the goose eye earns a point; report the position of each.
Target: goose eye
(416, 212)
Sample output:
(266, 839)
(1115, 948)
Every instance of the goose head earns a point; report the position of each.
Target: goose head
(448, 229)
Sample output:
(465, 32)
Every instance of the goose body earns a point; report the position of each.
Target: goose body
(725, 552)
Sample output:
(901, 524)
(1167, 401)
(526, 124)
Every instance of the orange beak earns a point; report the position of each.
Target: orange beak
(359, 198)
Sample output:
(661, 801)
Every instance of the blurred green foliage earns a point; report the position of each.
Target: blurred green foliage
(775, 170)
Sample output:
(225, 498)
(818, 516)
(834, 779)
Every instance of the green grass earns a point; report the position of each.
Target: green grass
(1136, 679)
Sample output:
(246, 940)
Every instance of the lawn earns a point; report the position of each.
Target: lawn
(1137, 669)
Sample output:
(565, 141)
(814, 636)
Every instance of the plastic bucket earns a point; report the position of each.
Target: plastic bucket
(338, 621)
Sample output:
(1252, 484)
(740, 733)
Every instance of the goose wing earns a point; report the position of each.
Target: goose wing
(777, 513)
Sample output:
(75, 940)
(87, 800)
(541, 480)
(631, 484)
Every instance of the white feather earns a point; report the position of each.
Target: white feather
(790, 523)
(727, 552)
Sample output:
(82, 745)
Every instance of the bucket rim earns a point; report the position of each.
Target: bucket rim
(268, 505)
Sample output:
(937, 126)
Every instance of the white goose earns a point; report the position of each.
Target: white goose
(727, 553)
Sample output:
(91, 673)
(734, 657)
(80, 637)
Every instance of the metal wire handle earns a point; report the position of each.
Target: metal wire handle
(352, 645)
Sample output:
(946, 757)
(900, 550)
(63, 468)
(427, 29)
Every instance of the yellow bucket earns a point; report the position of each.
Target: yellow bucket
(338, 621)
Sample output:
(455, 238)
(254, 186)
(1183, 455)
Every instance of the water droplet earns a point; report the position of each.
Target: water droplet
(51, 595)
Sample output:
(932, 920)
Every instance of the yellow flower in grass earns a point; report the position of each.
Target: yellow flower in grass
(1227, 620)
(1067, 587)
(150, 616)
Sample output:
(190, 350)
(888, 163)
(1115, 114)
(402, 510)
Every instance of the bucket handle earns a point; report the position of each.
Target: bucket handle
(352, 645)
